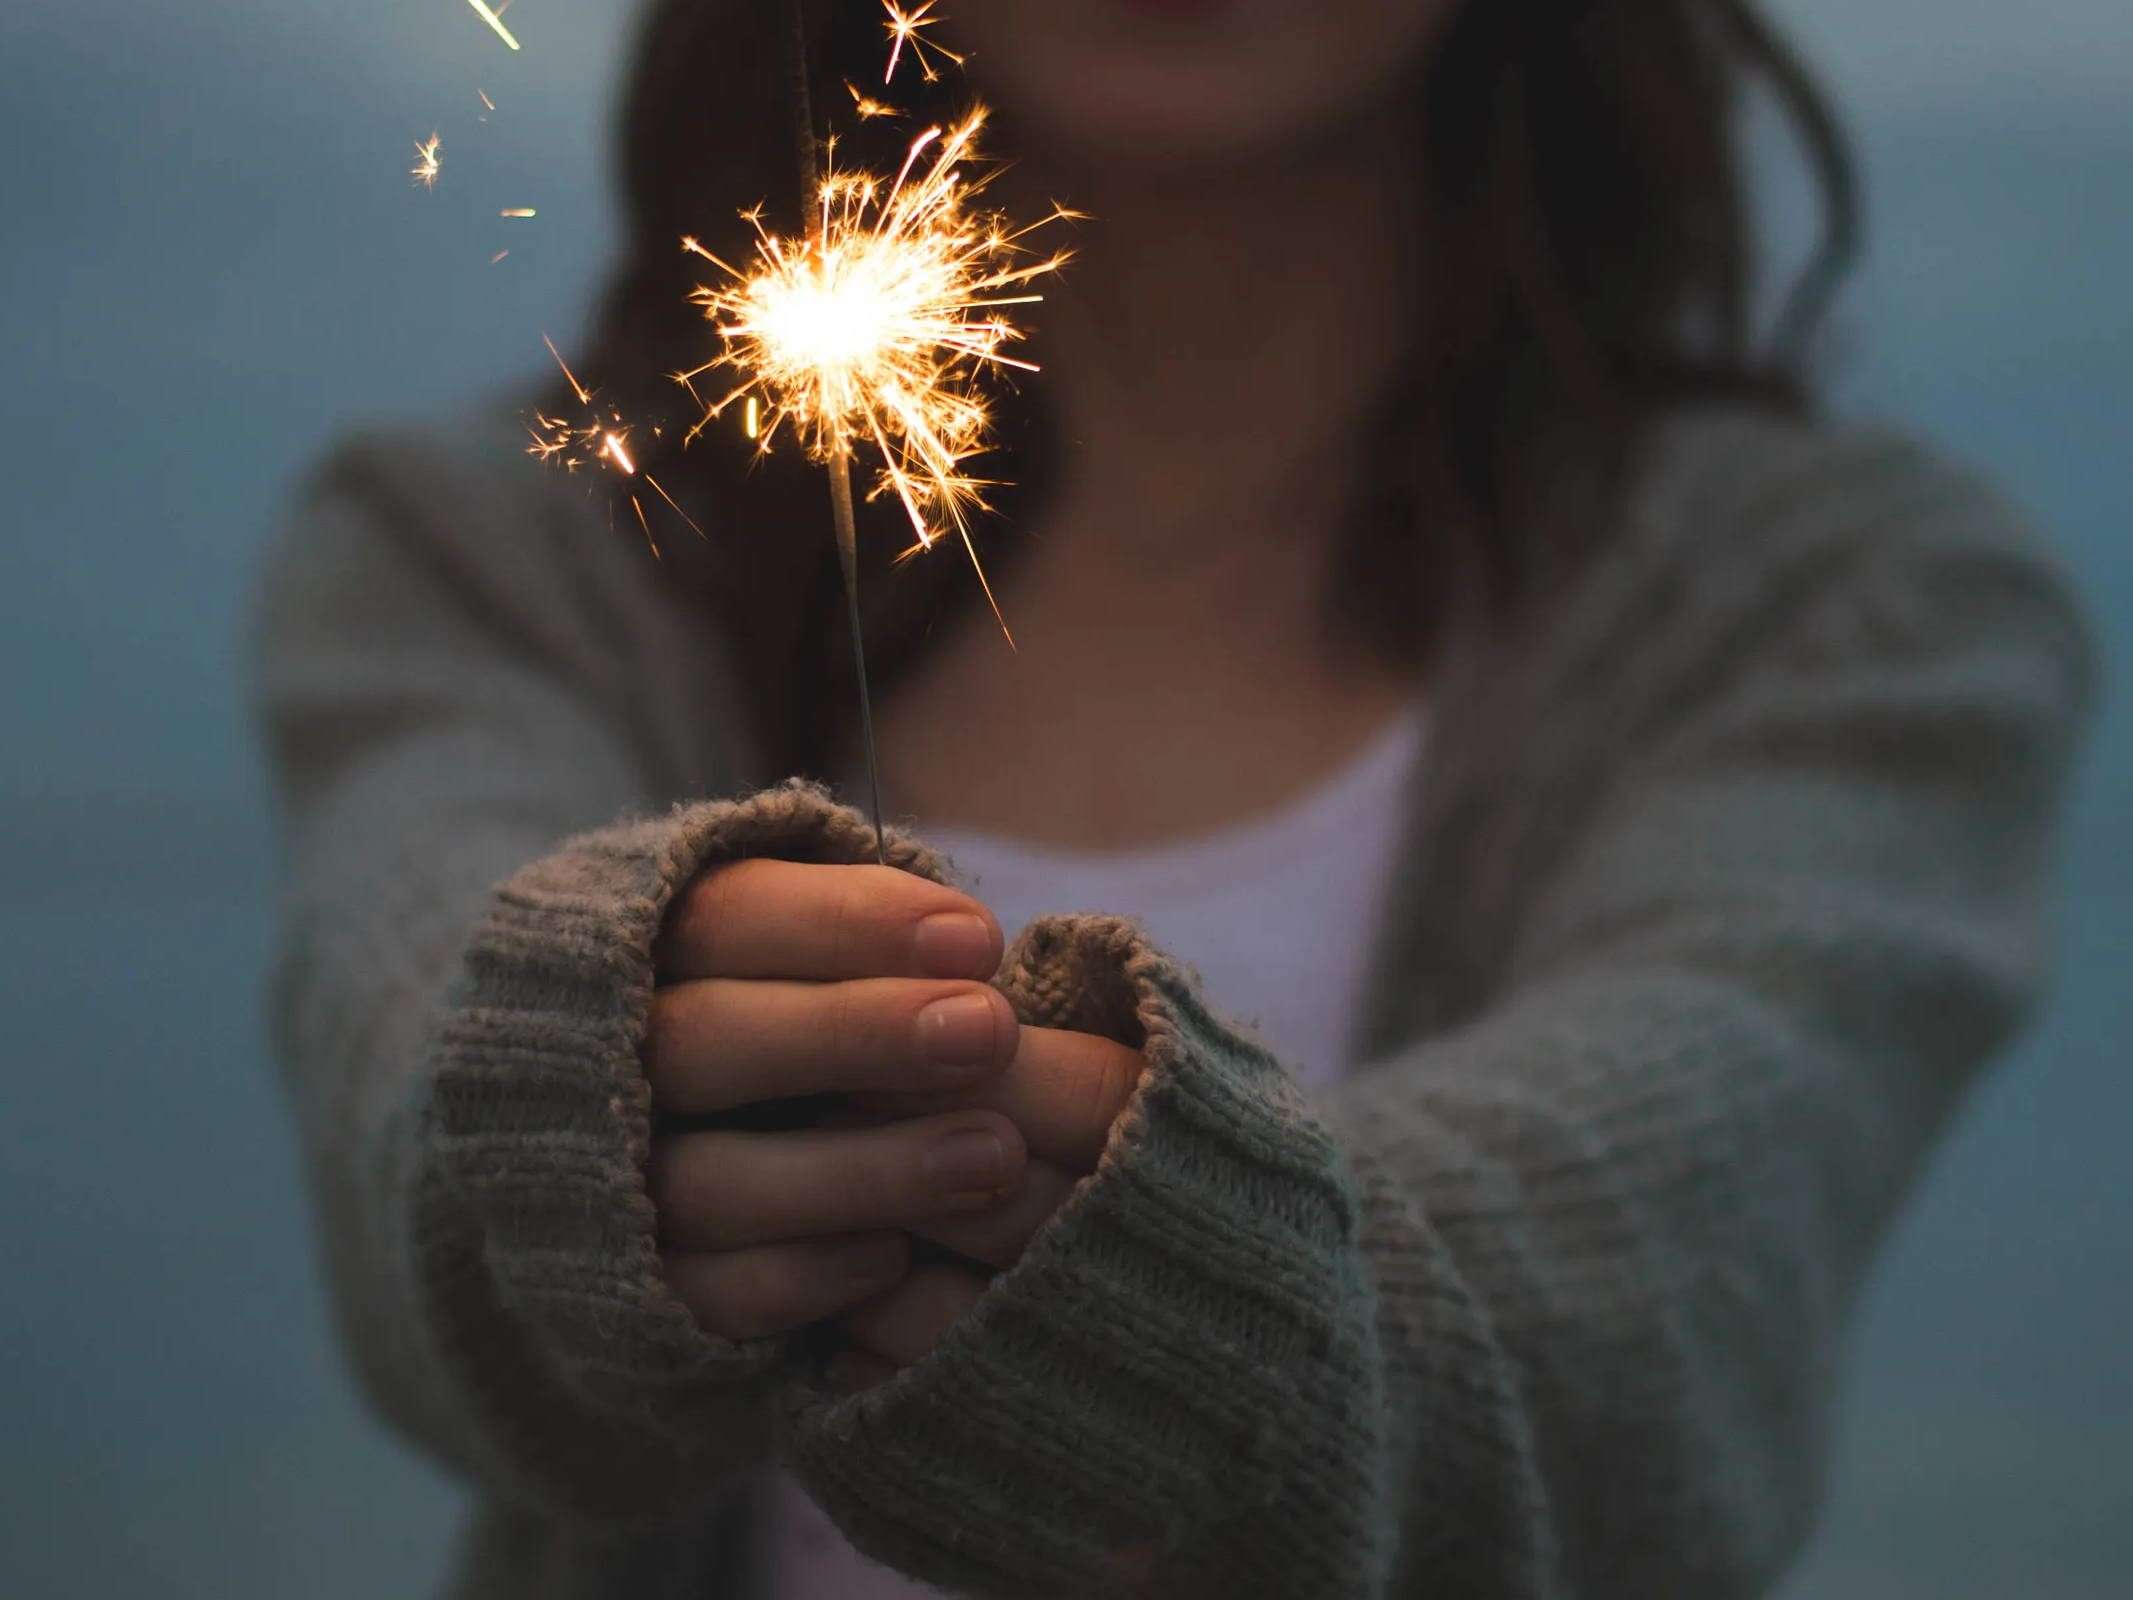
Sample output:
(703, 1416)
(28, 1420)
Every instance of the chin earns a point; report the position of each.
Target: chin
(1159, 123)
(1174, 87)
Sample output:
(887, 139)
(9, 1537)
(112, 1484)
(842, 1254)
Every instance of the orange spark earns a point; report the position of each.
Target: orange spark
(428, 163)
(869, 108)
(584, 395)
(498, 257)
(519, 211)
(637, 506)
(904, 28)
(603, 437)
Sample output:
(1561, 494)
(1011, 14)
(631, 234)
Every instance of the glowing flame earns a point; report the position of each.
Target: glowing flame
(877, 329)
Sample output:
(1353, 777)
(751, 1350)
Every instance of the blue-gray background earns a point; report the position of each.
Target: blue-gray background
(211, 257)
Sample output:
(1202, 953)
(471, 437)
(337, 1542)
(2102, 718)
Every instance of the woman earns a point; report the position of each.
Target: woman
(1615, 801)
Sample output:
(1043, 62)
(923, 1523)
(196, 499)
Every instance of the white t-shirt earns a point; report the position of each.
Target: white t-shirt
(1278, 914)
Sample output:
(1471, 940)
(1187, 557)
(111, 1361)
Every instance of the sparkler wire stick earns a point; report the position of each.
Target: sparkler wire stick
(840, 461)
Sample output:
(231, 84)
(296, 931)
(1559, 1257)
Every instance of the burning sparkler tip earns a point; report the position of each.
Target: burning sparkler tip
(875, 329)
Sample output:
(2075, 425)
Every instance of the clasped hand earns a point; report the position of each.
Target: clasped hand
(781, 979)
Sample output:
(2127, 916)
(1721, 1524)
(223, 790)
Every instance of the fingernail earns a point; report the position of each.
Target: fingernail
(968, 1159)
(959, 1031)
(955, 944)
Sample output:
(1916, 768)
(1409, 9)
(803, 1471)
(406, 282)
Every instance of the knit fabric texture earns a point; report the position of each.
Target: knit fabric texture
(1725, 879)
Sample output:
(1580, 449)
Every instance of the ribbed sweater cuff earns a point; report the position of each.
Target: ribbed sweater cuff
(1180, 1375)
(536, 1125)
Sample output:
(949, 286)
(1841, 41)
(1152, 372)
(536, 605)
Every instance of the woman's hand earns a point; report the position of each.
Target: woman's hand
(780, 979)
(1063, 1091)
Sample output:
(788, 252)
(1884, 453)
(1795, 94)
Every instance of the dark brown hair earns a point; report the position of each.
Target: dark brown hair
(1592, 264)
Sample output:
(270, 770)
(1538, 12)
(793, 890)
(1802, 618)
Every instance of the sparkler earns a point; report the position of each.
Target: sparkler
(875, 331)
(428, 162)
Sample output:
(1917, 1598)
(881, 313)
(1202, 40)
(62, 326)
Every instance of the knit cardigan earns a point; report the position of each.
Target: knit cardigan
(1724, 879)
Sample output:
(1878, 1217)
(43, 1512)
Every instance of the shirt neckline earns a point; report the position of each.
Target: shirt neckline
(1380, 767)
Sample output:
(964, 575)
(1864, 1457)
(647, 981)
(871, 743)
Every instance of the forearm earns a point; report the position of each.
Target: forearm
(1615, 1232)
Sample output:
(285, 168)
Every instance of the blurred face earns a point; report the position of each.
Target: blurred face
(1175, 86)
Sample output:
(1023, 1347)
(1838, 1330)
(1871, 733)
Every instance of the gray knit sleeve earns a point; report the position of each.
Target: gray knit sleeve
(458, 677)
(531, 1236)
(1547, 1304)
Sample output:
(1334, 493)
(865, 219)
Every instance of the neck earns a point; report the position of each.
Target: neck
(1216, 348)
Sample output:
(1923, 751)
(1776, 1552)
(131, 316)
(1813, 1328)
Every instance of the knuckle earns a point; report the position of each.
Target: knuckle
(847, 918)
(678, 1182)
(701, 1283)
(837, 1023)
(672, 1017)
(707, 902)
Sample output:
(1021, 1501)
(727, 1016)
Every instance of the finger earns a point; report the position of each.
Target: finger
(999, 1234)
(903, 1325)
(793, 919)
(714, 1043)
(726, 1189)
(773, 1288)
(1063, 1090)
